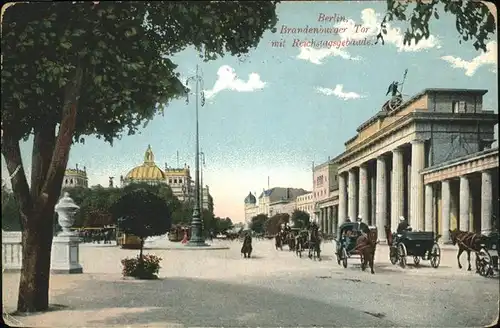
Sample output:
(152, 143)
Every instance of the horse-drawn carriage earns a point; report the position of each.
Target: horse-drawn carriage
(347, 243)
(421, 245)
(487, 257)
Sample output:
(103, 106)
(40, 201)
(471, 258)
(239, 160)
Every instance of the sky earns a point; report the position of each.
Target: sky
(291, 102)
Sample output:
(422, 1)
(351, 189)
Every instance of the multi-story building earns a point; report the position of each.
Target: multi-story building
(272, 201)
(427, 159)
(179, 179)
(75, 178)
(305, 203)
(325, 191)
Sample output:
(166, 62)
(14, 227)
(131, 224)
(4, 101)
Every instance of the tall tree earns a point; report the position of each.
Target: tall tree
(257, 223)
(473, 19)
(72, 69)
(143, 214)
(300, 219)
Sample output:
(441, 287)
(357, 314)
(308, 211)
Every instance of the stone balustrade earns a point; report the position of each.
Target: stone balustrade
(12, 251)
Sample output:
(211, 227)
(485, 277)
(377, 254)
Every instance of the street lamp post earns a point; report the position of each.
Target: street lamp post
(202, 197)
(196, 223)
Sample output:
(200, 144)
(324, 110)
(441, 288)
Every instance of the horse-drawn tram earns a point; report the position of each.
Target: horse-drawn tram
(422, 245)
(347, 243)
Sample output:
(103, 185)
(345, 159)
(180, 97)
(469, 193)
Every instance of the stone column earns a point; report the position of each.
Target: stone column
(353, 197)
(381, 202)
(363, 193)
(445, 210)
(397, 185)
(486, 202)
(328, 220)
(408, 194)
(429, 213)
(464, 203)
(334, 219)
(373, 198)
(417, 185)
(342, 199)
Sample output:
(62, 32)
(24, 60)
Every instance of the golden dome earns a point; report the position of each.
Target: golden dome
(147, 171)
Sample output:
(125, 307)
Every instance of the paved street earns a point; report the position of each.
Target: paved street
(275, 288)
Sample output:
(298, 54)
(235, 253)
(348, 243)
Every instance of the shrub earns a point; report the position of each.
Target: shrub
(149, 269)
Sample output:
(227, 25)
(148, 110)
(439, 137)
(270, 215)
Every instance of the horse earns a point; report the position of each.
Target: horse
(314, 241)
(467, 241)
(278, 243)
(291, 241)
(366, 245)
(246, 248)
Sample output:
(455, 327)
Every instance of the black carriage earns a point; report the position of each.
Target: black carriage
(421, 245)
(487, 257)
(349, 232)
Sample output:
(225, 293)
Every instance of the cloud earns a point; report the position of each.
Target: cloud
(228, 80)
(485, 58)
(316, 56)
(339, 92)
(370, 20)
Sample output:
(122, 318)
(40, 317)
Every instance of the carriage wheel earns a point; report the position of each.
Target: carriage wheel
(402, 255)
(344, 257)
(484, 262)
(393, 255)
(435, 255)
(416, 260)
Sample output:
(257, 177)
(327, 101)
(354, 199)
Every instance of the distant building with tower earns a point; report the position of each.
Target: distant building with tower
(75, 178)
(178, 179)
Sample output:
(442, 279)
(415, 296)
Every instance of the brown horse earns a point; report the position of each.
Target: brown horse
(278, 241)
(365, 247)
(291, 241)
(467, 241)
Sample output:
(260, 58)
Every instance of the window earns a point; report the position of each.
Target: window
(71, 181)
(180, 180)
(175, 180)
(170, 181)
(459, 106)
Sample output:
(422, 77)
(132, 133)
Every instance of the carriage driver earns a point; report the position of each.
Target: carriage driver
(361, 226)
(403, 225)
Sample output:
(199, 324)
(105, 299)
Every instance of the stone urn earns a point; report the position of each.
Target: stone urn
(66, 210)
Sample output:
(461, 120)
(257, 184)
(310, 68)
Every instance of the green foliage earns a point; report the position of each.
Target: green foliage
(300, 219)
(122, 48)
(145, 268)
(273, 225)
(474, 21)
(257, 223)
(222, 225)
(142, 213)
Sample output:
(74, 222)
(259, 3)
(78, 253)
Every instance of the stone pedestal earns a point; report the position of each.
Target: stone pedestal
(66, 255)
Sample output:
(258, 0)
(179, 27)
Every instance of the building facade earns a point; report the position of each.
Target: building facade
(272, 201)
(305, 203)
(325, 191)
(75, 178)
(382, 170)
(178, 179)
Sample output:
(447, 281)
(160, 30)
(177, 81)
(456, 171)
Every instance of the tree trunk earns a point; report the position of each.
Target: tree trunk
(35, 272)
(37, 208)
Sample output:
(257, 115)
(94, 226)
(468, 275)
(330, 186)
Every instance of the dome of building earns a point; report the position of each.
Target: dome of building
(148, 171)
(250, 199)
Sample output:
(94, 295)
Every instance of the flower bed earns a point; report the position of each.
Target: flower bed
(148, 270)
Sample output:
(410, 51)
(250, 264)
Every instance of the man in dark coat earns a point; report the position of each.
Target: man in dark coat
(403, 225)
